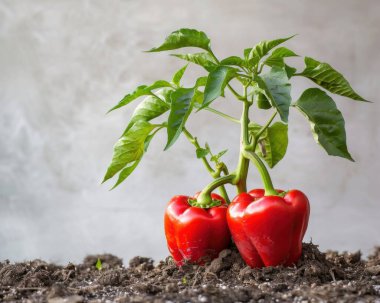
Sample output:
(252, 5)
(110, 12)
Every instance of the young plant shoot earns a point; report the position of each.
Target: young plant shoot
(267, 225)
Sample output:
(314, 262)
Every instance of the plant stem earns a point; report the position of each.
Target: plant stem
(225, 169)
(215, 174)
(194, 141)
(224, 194)
(246, 154)
(204, 197)
(222, 114)
(235, 93)
(243, 164)
(268, 185)
(267, 124)
(261, 68)
(244, 76)
(261, 131)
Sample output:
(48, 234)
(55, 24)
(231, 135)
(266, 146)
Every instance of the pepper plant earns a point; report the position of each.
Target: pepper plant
(259, 79)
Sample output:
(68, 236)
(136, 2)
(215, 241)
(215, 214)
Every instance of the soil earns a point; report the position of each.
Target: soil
(317, 277)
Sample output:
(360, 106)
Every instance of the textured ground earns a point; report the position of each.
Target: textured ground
(318, 277)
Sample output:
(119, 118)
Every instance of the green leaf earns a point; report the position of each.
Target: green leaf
(124, 174)
(327, 123)
(244, 80)
(181, 106)
(215, 158)
(216, 83)
(178, 75)
(198, 99)
(201, 81)
(253, 55)
(131, 166)
(276, 88)
(147, 142)
(273, 142)
(327, 77)
(263, 102)
(234, 60)
(142, 90)
(208, 147)
(276, 58)
(129, 148)
(184, 37)
(150, 137)
(98, 264)
(203, 59)
(202, 152)
(151, 107)
(290, 71)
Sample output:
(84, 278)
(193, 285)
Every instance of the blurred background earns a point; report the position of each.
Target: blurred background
(65, 63)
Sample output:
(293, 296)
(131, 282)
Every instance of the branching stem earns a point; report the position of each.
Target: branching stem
(214, 173)
(268, 185)
(204, 197)
(247, 154)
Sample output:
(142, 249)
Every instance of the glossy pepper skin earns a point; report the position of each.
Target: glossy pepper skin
(268, 230)
(195, 234)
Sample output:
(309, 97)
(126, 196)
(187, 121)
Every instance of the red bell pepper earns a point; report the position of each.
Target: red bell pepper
(195, 234)
(268, 230)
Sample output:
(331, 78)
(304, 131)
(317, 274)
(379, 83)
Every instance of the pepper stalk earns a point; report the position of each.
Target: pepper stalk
(247, 154)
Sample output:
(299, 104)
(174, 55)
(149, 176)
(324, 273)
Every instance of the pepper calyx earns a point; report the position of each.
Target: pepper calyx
(214, 203)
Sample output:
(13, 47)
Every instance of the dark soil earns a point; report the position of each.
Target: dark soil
(318, 277)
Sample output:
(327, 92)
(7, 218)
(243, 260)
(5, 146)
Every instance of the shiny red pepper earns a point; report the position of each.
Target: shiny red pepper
(268, 230)
(195, 234)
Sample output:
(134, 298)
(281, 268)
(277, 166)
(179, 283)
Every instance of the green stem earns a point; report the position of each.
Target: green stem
(204, 197)
(241, 174)
(237, 95)
(213, 173)
(224, 194)
(194, 141)
(225, 169)
(245, 76)
(222, 114)
(261, 68)
(261, 131)
(268, 185)
(159, 125)
(243, 164)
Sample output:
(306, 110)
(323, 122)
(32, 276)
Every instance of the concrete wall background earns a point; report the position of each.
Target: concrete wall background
(64, 63)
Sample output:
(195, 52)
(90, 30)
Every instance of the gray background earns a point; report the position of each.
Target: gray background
(65, 63)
